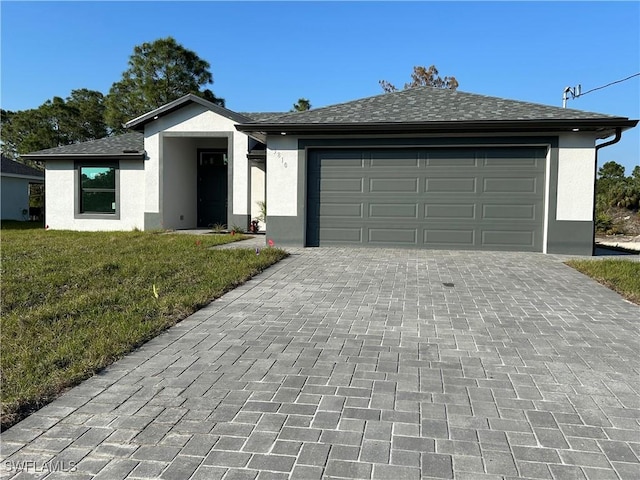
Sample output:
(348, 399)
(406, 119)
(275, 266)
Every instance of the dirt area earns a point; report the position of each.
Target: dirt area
(628, 224)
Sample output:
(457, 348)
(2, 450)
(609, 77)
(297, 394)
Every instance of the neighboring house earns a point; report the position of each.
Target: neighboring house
(424, 167)
(16, 181)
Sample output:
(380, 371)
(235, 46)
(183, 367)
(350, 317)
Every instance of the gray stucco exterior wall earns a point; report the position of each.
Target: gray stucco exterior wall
(570, 238)
(152, 221)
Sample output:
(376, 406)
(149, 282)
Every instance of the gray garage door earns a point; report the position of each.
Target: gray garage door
(463, 198)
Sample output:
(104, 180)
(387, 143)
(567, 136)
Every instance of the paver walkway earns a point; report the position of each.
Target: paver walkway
(385, 364)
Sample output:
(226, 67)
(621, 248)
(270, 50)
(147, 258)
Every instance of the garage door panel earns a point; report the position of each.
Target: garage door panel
(509, 212)
(342, 162)
(341, 235)
(450, 162)
(511, 163)
(443, 237)
(391, 210)
(513, 185)
(406, 163)
(394, 160)
(508, 238)
(450, 185)
(353, 158)
(352, 210)
(447, 210)
(353, 185)
(454, 156)
(386, 236)
(471, 198)
(393, 185)
(516, 152)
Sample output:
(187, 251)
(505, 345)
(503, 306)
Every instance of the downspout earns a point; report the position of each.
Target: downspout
(616, 139)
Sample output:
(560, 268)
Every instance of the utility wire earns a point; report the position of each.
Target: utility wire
(608, 84)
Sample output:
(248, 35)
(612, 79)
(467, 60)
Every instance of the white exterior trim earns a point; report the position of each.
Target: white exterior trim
(258, 189)
(547, 199)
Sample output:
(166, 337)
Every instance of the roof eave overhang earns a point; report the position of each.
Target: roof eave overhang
(23, 177)
(85, 156)
(601, 126)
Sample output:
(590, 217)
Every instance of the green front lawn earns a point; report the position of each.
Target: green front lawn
(623, 276)
(74, 302)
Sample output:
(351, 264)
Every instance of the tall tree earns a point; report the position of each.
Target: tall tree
(55, 123)
(89, 108)
(302, 105)
(24, 131)
(421, 77)
(613, 189)
(611, 171)
(159, 72)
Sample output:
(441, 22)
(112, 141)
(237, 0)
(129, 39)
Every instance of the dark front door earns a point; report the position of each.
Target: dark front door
(212, 188)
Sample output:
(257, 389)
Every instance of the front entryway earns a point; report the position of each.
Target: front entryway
(212, 188)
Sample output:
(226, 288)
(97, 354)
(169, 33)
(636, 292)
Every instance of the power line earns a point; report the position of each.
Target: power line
(608, 84)
(576, 92)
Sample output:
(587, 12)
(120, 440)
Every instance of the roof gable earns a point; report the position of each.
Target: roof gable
(139, 122)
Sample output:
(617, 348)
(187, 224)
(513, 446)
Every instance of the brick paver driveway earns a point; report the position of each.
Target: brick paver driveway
(388, 364)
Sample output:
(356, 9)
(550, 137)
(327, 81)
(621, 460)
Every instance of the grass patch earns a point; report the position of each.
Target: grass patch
(74, 302)
(623, 276)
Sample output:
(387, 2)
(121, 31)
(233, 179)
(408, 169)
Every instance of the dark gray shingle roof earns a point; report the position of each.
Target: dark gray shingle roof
(131, 143)
(12, 167)
(406, 111)
(261, 116)
(427, 104)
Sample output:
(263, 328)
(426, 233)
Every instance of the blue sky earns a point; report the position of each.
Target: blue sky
(266, 55)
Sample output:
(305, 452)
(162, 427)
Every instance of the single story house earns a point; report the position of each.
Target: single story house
(423, 167)
(17, 179)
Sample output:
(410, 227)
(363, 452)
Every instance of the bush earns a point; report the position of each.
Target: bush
(604, 222)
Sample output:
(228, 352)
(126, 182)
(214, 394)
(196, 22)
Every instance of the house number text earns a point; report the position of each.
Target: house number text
(279, 156)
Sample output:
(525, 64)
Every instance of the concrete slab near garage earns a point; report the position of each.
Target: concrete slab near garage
(365, 363)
